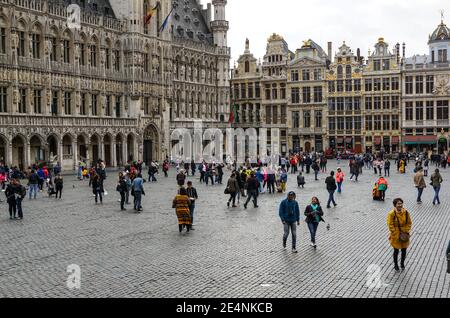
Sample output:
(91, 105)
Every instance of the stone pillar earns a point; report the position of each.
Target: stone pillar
(75, 154)
(27, 155)
(9, 154)
(113, 154)
(125, 152)
(61, 152)
(102, 150)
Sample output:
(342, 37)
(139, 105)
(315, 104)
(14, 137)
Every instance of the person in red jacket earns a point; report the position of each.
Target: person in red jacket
(339, 179)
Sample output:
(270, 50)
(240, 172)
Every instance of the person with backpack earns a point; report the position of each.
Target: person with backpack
(399, 225)
(289, 213)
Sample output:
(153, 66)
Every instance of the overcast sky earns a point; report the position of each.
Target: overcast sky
(358, 23)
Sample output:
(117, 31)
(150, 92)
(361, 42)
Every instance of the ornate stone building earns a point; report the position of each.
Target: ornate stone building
(113, 88)
(344, 101)
(381, 99)
(274, 87)
(426, 96)
(307, 108)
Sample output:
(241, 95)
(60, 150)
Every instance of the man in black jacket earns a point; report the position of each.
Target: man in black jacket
(448, 258)
(331, 187)
(193, 196)
(252, 190)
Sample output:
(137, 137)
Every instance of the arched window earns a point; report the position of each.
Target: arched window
(318, 120)
(247, 66)
(339, 71)
(36, 39)
(82, 49)
(67, 46)
(117, 56)
(108, 52)
(94, 52)
(348, 71)
(4, 35)
(306, 119)
(21, 32)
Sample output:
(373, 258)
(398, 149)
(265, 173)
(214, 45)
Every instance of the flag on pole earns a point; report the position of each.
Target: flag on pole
(150, 13)
(233, 114)
(166, 20)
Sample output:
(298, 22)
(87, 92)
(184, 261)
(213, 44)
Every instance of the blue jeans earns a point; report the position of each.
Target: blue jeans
(19, 207)
(339, 184)
(137, 199)
(316, 173)
(312, 226)
(436, 195)
(290, 227)
(419, 194)
(331, 198)
(191, 210)
(33, 188)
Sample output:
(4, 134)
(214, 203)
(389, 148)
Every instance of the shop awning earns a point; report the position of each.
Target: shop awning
(377, 140)
(340, 140)
(348, 140)
(420, 140)
(395, 140)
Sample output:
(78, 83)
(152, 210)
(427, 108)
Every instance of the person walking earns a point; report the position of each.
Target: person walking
(300, 180)
(399, 224)
(339, 179)
(97, 188)
(232, 189)
(181, 205)
(289, 213)
(316, 170)
(137, 188)
(382, 187)
(331, 188)
(284, 180)
(21, 194)
(354, 168)
(252, 190)
(193, 197)
(166, 168)
(314, 213)
(122, 188)
(387, 167)
(33, 183)
(59, 182)
(419, 182)
(426, 164)
(436, 181)
(12, 193)
(181, 178)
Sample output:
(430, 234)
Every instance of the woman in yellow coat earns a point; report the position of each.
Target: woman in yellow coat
(181, 205)
(399, 224)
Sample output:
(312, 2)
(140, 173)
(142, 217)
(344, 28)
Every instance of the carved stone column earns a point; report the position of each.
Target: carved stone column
(113, 154)
(75, 154)
(9, 154)
(27, 154)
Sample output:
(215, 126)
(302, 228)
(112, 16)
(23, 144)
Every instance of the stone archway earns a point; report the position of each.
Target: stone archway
(37, 151)
(307, 146)
(130, 147)
(82, 148)
(18, 152)
(119, 150)
(52, 149)
(107, 144)
(151, 145)
(95, 149)
(68, 159)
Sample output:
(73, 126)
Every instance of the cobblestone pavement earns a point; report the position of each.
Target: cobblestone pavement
(231, 253)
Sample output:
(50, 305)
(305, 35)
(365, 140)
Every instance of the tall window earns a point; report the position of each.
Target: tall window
(377, 65)
(409, 110)
(2, 40)
(348, 71)
(442, 56)
(430, 110)
(357, 85)
(386, 65)
(409, 85)
(395, 84)
(386, 123)
(419, 110)
(274, 115)
(306, 94)
(82, 54)
(37, 101)
(331, 104)
(377, 102)
(55, 102)
(331, 87)
(369, 122)
(340, 104)
(295, 119)
(317, 75)
(108, 59)
(295, 95)
(419, 84)
(386, 102)
(147, 105)
(3, 100)
(66, 44)
(386, 84)
(67, 103)
(94, 106)
(108, 110)
(21, 47)
(247, 67)
(306, 119)
(377, 122)
(22, 101)
(250, 90)
(118, 106)
(340, 71)
(267, 92)
(395, 122)
(283, 91)
(357, 122)
(318, 94)
(117, 60)
(340, 86)
(357, 103)
(318, 119)
(305, 75)
(268, 115)
(430, 84)
(53, 53)
(348, 123)
(83, 104)
(93, 55)
(442, 109)
(36, 45)
(243, 91)
(257, 90)
(348, 85)
(341, 123)
(348, 103)
(377, 84)
(332, 123)
(368, 103)
(274, 91)
(395, 102)
(294, 76)
(368, 85)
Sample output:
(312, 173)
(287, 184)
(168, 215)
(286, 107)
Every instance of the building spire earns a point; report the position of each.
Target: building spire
(442, 16)
(247, 46)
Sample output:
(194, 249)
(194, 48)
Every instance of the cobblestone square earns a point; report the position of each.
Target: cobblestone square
(232, 252)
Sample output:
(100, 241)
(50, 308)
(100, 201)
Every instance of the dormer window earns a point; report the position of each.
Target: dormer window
(187, 19)
(200, 35)
(180, 30)
(186, 8)
(195, 11)
(190, 33)
(177, 16)
(196, 21)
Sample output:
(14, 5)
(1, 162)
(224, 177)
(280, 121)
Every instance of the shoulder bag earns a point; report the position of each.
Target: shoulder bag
(403, 237)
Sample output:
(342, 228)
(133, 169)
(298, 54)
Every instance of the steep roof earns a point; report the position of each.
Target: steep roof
(100, 7)
(442, 33)
(189, 22)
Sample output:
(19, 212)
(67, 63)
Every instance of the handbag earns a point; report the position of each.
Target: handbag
(227, 191)
(403, 237)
